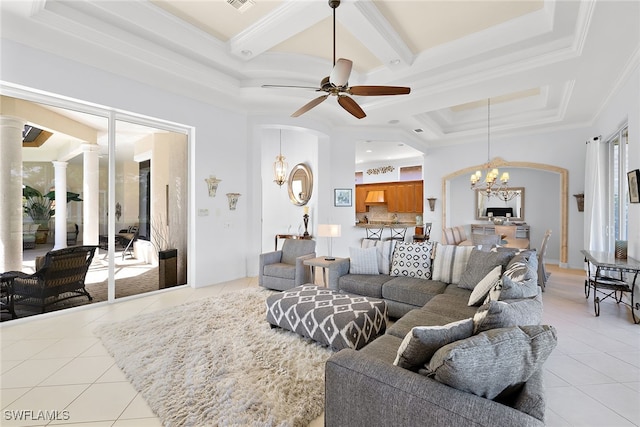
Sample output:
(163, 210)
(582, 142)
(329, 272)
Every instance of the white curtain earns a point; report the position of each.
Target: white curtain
(597, 209)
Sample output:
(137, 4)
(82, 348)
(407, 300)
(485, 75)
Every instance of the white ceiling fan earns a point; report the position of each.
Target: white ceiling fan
(337, 83)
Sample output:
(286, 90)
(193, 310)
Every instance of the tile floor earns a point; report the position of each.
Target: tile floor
(54, 362)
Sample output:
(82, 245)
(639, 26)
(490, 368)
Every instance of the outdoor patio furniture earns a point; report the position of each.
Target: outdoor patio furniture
(61, 276)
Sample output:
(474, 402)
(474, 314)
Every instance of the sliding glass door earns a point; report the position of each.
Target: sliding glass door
(125, 179)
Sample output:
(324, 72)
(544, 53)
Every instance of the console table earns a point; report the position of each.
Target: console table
(522, 231)
(609, 286)
(291, 236)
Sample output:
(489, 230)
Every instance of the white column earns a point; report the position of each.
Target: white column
(61, 204)
(90, 194)
(11, 193)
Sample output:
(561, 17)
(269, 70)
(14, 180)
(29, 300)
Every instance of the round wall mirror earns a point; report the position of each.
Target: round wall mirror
(300, 184)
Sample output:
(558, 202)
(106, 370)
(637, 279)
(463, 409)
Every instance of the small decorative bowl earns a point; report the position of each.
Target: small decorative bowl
(498, 220)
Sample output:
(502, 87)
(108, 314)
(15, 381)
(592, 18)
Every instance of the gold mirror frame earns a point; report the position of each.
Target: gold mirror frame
(517, 203)
(300, 184)
(497, 163)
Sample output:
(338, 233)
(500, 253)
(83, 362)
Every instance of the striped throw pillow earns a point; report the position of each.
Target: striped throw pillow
(450, 262)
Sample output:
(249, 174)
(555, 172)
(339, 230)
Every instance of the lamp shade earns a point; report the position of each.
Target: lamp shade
(329, 230)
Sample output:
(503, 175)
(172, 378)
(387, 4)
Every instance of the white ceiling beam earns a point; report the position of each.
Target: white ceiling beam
(286, 21)
(367, 24)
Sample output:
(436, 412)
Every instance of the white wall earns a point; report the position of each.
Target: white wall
(388, 176)
(279, 215)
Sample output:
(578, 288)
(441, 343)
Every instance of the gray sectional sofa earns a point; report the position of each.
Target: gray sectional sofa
(366, 388)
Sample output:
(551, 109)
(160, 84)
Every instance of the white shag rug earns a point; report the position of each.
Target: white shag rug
(217, 362)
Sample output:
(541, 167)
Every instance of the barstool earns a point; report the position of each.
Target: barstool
(423, 233)
(374, 233)
(398, 233)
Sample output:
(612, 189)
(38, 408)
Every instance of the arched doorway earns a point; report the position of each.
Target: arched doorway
(499, 162)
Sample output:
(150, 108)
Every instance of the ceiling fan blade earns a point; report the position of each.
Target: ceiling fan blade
(379, 90)
(351, 106)
(308, 106)
(340, 73)
(291, 87)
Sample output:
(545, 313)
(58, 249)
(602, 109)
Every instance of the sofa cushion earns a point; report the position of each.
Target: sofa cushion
(423, 341)
(480, 264)
(367, 285)
(503, 314)
(384, 251)
(459, 292)
(384, 347)
(412, 260)
(449, 262)
(411, 290)
(491, 362)
(363, 260)
(481, 290)
(453, 306)
(418, 317)
(284, 271)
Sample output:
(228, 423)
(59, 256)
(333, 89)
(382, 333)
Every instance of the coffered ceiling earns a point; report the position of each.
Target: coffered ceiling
(545, 64)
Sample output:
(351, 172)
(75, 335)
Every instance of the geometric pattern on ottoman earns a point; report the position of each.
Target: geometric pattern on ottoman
(331, 318)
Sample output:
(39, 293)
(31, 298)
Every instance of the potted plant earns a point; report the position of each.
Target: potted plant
(167, 254)
(40, 208)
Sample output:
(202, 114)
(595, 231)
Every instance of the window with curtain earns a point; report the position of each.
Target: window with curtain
(618, 144)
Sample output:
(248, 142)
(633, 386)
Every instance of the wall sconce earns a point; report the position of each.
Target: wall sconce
(432, 203)
(580, 201)
(233, 200)
(212, 185)
(330, 231)
(280, 166)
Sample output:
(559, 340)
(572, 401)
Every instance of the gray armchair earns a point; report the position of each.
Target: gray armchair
(285, 269)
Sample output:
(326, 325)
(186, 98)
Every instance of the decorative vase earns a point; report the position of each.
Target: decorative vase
(621, 249)
(42, 234)
(167, 268)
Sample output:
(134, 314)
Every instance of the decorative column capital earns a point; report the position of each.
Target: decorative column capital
(12, 121)
(59, 164)
(90, 148)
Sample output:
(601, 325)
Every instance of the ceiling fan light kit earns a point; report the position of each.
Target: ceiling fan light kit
(337, 83)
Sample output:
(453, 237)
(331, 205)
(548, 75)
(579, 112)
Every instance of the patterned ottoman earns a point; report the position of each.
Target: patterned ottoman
(328, 317)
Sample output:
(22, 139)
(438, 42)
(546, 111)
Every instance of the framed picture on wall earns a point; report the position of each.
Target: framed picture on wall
(342, 197)
(634, 182)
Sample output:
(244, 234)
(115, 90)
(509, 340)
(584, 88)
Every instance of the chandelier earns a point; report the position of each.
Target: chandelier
(280, 166)
(492, 186)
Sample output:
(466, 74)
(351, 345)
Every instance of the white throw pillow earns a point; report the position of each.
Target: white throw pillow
(363, 260)
(485, 285)
(385, 251)
(450, 262)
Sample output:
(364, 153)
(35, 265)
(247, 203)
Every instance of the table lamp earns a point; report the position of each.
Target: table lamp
(330, 231)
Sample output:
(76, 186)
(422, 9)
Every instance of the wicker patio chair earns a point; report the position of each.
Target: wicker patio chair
(60, 277)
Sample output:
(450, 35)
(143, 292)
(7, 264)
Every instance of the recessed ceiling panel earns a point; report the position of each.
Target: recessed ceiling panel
(426, 24)
(497, 100)
(317, 40)
(217, 17)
